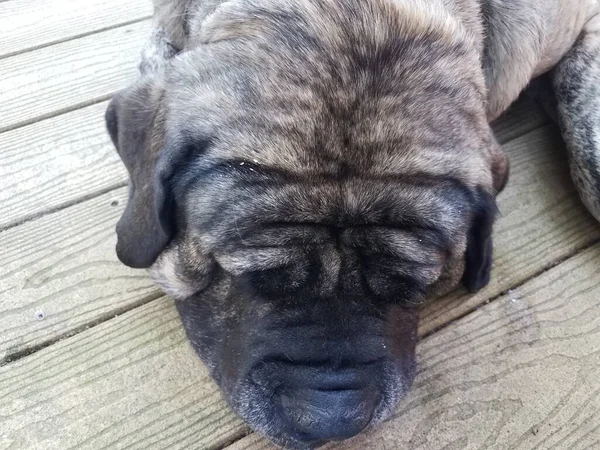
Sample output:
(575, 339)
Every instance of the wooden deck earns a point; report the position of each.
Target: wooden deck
(92, 356)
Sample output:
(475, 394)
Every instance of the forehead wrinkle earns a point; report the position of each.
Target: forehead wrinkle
(268, 71)
(426, 205)
(242, 260)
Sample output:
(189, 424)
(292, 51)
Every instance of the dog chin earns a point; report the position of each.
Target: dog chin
(264, 419)
(290, 441)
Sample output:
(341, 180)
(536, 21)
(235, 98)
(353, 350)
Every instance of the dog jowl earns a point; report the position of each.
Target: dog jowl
(303, 176)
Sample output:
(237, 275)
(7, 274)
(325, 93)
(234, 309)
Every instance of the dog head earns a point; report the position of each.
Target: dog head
(300, 192)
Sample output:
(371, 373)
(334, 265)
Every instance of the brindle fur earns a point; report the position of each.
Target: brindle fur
(325, 166)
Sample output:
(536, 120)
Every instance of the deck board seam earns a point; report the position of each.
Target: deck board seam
(72, 38)
(69, 204)
(540, 272)
(12, 357)
(244, 433)
(56, 113)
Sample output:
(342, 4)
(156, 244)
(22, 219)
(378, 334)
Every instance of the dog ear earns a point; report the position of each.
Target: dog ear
(135, 122)
(479, 253)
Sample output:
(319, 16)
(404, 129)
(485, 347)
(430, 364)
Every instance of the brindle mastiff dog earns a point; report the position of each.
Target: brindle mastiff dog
(305, 172)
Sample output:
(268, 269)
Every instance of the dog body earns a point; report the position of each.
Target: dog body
(305, 173)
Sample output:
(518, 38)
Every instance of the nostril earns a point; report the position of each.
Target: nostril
(321, 415)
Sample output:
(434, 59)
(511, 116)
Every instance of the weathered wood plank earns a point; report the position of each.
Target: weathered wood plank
(72, 74)
(524, 116)
(521, 373)
(542, 222)
(53, 163)
(26, 24)
(59, 274)
(132, 382)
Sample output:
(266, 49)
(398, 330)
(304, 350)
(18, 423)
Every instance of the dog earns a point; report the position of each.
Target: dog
(305, 173)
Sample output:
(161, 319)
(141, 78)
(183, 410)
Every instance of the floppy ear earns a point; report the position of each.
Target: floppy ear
(479, 253)
(135, 122)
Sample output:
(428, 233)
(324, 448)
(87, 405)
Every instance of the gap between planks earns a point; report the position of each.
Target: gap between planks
(27, 25)
(84, 71)
(12, 357)
(72, 38)
(63, 268)
(57, 162)
(517, 285)
(63, 206)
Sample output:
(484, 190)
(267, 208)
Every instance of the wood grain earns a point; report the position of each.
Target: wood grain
(56, 162)
(27, 24)
(62, 77)
(522, 373)
(542, 222)
(130, 383)
(60, 273)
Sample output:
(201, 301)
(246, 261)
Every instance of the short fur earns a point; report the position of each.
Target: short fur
(304, 174)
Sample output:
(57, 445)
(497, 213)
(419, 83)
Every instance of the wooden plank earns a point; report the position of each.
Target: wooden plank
(542, 222)
(62, 77)
(60, 273)
(56, 162)
(522, 117)
(26, 24)
(521, 373)
(132, 382)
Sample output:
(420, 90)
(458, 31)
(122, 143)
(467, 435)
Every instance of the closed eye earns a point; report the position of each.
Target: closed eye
(409, 245)
(285, 234)
(255, 259)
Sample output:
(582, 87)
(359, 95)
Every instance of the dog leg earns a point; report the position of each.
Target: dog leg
(576, 84)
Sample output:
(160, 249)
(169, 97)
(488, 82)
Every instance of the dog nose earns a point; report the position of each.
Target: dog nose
(314, 415)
